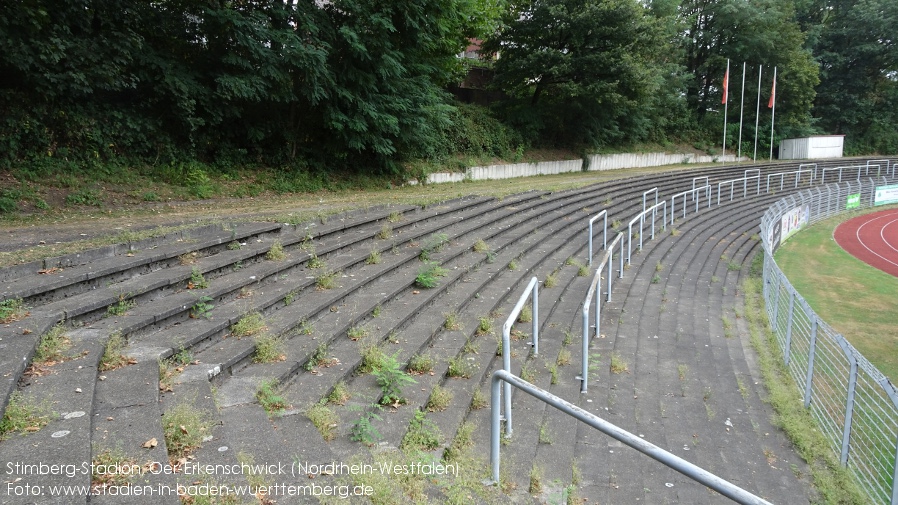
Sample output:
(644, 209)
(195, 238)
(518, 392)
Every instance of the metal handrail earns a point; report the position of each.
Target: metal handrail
(877, 164)
(860, 168)
(531, 291)
(732, 183)
(594, 290)
(641, 217)
(782, 176)
(604, 214)
(653, 190)
(693, 192)
(666, 458)
(813, 169)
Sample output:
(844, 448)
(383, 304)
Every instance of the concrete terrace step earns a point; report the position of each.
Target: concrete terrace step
(539, 230)
(98, 269)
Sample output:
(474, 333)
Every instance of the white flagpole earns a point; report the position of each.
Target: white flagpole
(741, 109)
(757, 113)
(726, 104)
(773, 111)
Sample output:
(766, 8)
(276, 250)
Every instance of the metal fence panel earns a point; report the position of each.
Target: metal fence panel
(819, 357)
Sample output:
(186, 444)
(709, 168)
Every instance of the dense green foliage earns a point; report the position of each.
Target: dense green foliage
(350, 83)
(304, 88)
(854, 43)
(579, 71)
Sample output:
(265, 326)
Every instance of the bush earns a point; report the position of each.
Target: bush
(429, 274)
(391, 378)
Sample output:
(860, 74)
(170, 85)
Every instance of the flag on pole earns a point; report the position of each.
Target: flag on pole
(772, 106)
(726, 83)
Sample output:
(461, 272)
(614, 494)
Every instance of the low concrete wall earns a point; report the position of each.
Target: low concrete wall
(629, 160)
(596, 162)
(508, 171)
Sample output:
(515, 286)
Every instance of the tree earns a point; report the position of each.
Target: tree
(760, 32)
(858, 55)
(578, 71)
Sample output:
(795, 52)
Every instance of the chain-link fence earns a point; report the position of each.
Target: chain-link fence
(854, 404)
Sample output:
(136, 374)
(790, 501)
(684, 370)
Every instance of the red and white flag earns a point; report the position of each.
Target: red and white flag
(726, 84)
(772, 93)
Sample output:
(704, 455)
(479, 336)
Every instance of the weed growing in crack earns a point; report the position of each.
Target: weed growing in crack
(452, 322)
(484, 326)
(52, 346)
(553, 373)
(363, 429)
(314, 262)
(568, 338)
(386, 231)
(171, 367)
(422, 434)
(202, 308)
(184, 427)
(372, 359)
(545, 436)
(478, 400)
(11, 310)
(197, 281)
(339, 395)
(420, 364)
(391, 378)
(564, 357)
(536, 476)
(459, 368)
(122, 306)
(324, 419)
(23, 415)
(618, 365)
(528, 372)
(318, 358)
(276, 252)
(326, 279)
(433, 244)
(429, 275)
(269, 348)
(373, 257)
(113, 356)
(551, 280)
(439, 400)
(248, 325)
(356, 333)
(270, 399)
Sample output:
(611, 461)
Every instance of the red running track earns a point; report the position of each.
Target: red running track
(873, 239)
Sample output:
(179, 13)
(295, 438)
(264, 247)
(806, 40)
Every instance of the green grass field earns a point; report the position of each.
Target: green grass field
(859, 301)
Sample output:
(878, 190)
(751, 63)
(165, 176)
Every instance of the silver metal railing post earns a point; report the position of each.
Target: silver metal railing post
(531, 290)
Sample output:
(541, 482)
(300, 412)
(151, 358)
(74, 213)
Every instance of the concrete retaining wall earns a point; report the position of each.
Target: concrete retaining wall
(596, 162)
(628, 160)
(509, 171)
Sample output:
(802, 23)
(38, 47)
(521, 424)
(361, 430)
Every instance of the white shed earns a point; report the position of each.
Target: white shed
(819, 146)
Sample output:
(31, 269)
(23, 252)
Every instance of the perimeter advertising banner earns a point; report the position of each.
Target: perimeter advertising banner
(885, 195)
(793, 221)
(853, 202)
(773, 235)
